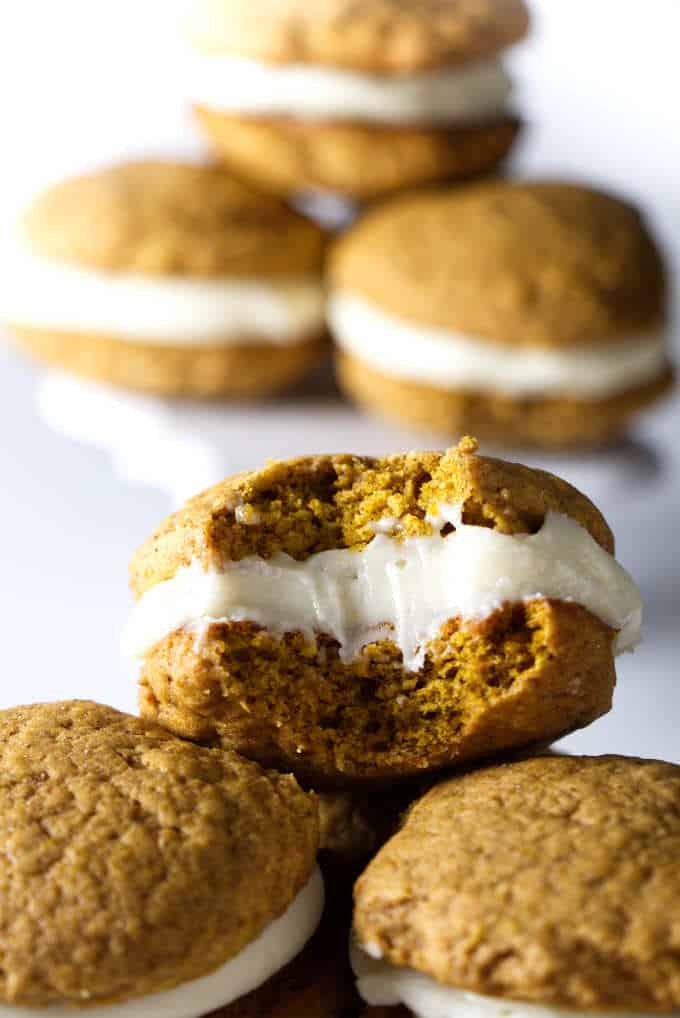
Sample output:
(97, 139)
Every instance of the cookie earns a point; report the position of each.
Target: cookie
(356, 619)
(171, 278)
(548, 883)
(533, 313)
(358, 99)
(136, 865)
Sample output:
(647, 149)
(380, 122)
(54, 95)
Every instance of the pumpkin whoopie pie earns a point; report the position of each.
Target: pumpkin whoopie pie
(350, 618)
(168, 277)
(548, 888)
(354, 98)
(142, 874)
(530, 314)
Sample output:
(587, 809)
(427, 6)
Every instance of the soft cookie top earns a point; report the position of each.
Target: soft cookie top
(543, 264)
(312, 504)
(172, 218)
(133, 861)
(553, 881)
(381, 36)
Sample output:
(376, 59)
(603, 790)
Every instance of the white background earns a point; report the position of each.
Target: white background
(86, 81)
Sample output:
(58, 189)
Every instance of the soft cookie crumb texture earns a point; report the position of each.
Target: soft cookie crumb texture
(527, 672)
(133, 861)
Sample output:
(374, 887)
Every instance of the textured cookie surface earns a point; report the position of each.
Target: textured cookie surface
(382, 36)
(307, 505)
(550, 422)
(132, 861)
(238, 371)
(525, 673)
(360, 161)
(172, 218)
(535, 264)
(554, 880)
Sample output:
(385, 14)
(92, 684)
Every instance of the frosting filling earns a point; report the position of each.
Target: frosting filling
(275, 947)
(472, 93)
(383, 985)
(450, 360)
(44, 293)
(402, 590)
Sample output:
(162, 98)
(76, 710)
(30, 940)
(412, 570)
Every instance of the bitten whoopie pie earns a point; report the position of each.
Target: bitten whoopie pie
(548, 888)
(350, 618)
(141, 874)
(355, 98)
(168, 277)
(527, 313)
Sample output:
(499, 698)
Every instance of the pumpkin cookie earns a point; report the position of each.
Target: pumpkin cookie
(355, 98)
(529, 313)
(548, 887)
(170, 278)
(353, 618)
(137, 866)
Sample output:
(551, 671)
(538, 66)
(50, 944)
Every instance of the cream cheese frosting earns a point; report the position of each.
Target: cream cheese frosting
(472, 93)
(450, 360)
(403, 590)
(276, 946)
(44, 293)
(383, 985)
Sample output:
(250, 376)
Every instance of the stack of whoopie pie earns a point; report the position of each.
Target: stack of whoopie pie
(339, 800)
(340, 653)
(531, 314)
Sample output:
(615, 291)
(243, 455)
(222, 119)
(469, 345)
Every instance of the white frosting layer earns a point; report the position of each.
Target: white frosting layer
(172, 310)
(457, 95)
(383, 985)
(449, 360)
(405, 590)
(276, 946)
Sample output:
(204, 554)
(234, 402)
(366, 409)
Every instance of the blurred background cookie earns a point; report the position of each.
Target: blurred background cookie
(355, 98)
(527, 313)
(543, 887)
(350, 618)
(168, 277)
(140, 871)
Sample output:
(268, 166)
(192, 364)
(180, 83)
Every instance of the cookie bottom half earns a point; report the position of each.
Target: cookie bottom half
(236, 370)
(529, 672)
(361, 161)
(550, 423)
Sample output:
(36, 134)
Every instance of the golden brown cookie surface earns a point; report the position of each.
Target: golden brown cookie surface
(553, 880)
(171, 218)
(133, 861)
(548, 422)
(524, 673)
(311, 504)
(239, 371)
(380, 36)
(541, 264)
(358, 160)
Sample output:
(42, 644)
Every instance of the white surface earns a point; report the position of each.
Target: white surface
(174, 310)
(404, 348)
(405, 589)
(69, 524)
(460, 95)
(383, 985)
(257, 962)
